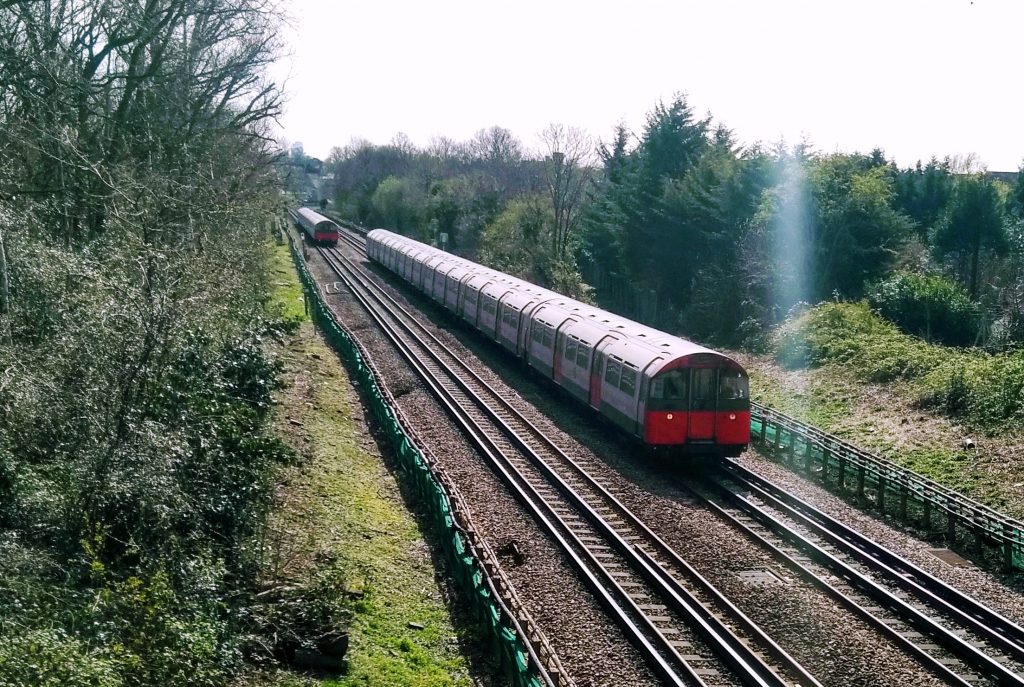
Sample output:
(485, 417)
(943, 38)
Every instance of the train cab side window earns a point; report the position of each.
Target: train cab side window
(570, 349)
(627, 382)
(611, 373)
(670, 386)
(733, 388)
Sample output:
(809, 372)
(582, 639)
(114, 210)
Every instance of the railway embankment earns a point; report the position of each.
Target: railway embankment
(952, 415)
(346, 541)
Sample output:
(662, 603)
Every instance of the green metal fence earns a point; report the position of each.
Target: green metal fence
(894, 491)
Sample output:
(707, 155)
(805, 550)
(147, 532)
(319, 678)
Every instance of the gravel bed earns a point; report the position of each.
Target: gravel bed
(1001, 592)
(834, 645)
(592, 649)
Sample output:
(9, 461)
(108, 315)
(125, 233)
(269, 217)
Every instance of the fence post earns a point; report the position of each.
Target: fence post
(1007, 548)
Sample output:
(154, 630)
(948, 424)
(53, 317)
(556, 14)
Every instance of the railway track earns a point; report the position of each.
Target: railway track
(687, 630)
(953, 635)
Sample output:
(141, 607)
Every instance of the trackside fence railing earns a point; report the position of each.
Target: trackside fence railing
(968, 526)
(525, 657)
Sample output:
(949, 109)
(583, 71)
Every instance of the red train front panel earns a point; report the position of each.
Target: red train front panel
(325, 236)
(703, 409)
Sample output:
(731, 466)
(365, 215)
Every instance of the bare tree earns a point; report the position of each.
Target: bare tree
(88, 88)
(568, 156)
(496, 146)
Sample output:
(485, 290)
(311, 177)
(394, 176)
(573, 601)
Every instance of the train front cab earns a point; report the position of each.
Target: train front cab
(701, 402)
(326, 232)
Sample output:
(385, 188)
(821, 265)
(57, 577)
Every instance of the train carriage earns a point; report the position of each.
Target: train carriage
(665, 390)
(470, 307)
(578, 340)
(318, 228)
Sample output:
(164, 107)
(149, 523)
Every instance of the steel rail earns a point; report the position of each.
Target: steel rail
(935, 665)
(540, 511)
(985, 523)
(955, 644)
(657, 545)
(734, 650)
(549, 668)
(994, 627)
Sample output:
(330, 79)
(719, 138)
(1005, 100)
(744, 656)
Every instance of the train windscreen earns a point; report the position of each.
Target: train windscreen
(702, 388)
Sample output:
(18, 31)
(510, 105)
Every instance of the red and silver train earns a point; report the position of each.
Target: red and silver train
(667, 391)
(318, 228)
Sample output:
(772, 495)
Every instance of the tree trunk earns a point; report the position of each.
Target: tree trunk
(5, 293)
(975, 259)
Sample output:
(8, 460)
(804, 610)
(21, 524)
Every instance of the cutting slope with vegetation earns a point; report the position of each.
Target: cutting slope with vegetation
(136, 463)
(346, 549)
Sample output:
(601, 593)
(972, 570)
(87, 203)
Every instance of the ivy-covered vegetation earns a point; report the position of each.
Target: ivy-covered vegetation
(928, 306)
(136, 469)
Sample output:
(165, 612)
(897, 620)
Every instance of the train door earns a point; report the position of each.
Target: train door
(596, 369)
(598, 358)
(703, 403)
(556, 360)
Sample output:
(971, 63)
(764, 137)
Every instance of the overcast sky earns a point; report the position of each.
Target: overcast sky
(914, 77)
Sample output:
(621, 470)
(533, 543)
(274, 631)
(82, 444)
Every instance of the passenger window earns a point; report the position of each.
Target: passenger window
(611, 373)
(583, 355)
(535, 333)
(549, 337)
(628, 380)
(570, 349)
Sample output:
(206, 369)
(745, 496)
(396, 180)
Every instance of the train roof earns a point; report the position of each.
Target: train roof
(314, 218)
(642, 346)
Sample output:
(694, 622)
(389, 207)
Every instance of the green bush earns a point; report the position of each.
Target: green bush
(50, 657)
(850, 333)
(927, 306)
(985, 389)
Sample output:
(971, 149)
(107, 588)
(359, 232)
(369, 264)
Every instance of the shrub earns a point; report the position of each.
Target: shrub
(928, 306)
(985, 389)
(51, 658)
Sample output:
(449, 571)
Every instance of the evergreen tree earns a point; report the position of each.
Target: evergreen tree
(974, 221)
(1016, 200)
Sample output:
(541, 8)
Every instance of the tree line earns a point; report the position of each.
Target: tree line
(136, 465)
(679, 225)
